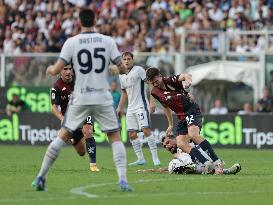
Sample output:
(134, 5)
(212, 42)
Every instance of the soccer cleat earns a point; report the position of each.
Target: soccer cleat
(138, 162)
(235, 168)
(218, 167)
(209, 168)
(94, 168)
(156, 162)
(39, 184)
(124, 186)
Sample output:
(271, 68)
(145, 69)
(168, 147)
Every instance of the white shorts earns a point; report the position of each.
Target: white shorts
(76, 115)
(137, 120)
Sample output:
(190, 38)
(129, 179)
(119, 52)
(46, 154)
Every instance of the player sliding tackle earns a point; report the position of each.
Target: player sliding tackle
(182, 162)
(90, 54)
(171, 93)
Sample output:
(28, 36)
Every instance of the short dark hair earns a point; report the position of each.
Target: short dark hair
(87, 17)
(152, 72)
(128, 54)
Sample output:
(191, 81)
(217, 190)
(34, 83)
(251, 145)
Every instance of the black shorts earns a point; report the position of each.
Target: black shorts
(78, 135)
(194, 118)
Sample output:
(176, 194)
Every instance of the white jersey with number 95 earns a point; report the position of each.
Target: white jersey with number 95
(90, 54)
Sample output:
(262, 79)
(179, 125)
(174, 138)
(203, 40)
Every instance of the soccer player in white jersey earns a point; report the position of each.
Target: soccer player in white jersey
(90, 53)
(138, 114)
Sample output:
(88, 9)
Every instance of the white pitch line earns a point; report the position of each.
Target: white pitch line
(80, 190)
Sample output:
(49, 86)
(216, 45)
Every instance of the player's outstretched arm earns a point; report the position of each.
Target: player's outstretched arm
(56, 112)
(120, 66)
(152, 99)
(169, 116)
(55, 69)
(187, 80)
(114, 70)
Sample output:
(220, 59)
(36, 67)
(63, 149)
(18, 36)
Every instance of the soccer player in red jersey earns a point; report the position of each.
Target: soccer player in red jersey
(171, 93)
(82, 137)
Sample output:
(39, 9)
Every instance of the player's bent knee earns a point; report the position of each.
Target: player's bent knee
(192, 135)
(193, 132)
(81, 153)
(113, 136)
(146, 132)
(181, 144)
(184, 146)
(65, 135)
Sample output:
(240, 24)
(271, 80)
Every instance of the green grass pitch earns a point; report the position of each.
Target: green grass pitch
(20, 164)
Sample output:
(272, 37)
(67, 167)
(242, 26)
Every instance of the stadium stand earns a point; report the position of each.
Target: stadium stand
(144, 26)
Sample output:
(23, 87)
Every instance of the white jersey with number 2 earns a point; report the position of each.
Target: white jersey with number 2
(90, 54)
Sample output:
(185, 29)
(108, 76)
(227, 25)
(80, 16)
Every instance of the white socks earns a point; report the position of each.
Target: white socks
(51, 154)
(119, 155)
(153, 147)
(137, 148)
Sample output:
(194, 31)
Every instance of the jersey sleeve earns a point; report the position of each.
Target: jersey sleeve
(174, 82)
(115, 55)
(66, 52)
(154, 94)
(142, 73)
(55, 96)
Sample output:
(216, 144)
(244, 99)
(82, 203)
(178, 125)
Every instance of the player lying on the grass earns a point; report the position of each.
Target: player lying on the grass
(182, 162)
(171, 93)
(82, 137)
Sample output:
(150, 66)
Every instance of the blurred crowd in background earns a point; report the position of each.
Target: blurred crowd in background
(42, 26)
(145, 26)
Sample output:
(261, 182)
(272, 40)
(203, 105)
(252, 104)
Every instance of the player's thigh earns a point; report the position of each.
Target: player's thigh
(194, 124)
(183, 143)
(131, 122)
(182, 128)
(75, 116)
(64, 134)
(143, 118)
(106, 117)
